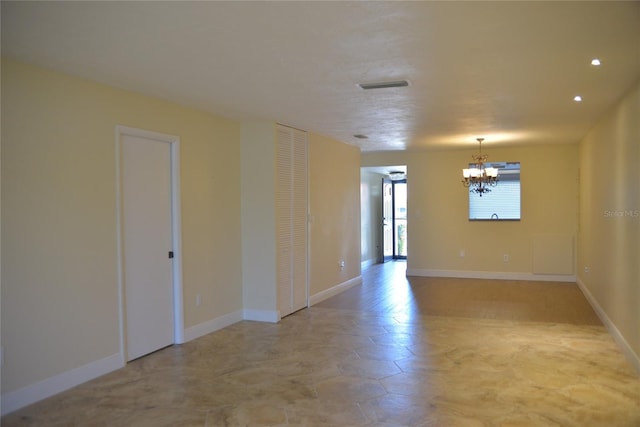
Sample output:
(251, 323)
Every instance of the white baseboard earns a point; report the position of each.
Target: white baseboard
(15, 400)
(204, 328)
(497, 275)
(41, 390)
(271, 316)
(631, 355)
(335, 290)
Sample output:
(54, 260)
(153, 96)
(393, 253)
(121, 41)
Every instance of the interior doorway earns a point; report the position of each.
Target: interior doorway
(148, 241)
(394, 219)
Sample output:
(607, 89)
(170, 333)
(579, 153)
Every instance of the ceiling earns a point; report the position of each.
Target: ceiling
(386, 170)
(506, 71)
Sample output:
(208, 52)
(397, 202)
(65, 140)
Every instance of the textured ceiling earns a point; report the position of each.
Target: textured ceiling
(507, 71)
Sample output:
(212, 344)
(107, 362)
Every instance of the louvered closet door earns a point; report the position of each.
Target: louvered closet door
(299, 221)
(291, 219)
(284, 215)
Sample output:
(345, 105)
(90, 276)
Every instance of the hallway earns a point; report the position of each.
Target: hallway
(394, 351)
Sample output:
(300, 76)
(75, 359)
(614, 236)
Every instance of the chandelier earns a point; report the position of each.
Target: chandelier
(479, 178)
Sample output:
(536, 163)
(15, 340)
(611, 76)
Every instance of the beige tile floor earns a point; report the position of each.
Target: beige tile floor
(397, 361)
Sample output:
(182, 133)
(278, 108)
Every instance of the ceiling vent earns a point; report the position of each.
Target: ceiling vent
(384, 85)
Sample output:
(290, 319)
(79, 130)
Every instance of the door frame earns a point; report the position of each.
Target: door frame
(394, 235)
(394, 219)
(176, 231)
(387, 181)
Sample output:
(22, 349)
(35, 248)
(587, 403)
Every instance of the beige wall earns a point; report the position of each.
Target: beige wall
(259, 217)
(438, 225)
(334, 202)
(59, 262)
(371, 216)
(609, 234)
(334, 206)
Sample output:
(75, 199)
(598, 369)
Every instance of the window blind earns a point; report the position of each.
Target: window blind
(501, 203)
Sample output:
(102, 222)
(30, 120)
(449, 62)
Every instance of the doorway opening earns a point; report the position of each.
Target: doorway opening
(394, 218)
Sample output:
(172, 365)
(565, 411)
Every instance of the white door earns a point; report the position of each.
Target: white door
(146, 225)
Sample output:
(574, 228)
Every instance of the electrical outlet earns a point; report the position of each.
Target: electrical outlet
(461, 253)
(587, 270)
(198, 300)
(505, 258)
(341, 265)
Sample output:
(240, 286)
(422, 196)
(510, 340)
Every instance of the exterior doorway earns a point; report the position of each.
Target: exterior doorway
(394, 218)
(383, 202)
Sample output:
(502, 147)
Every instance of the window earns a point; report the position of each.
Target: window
(503, 201)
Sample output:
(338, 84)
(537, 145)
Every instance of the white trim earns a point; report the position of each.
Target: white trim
(119, 243)
(499, 275)
(617, 336)
(176, 237)
(271, 316)
(307, 227)
(335, 290)
(204, 328)
(15, 400)
(176, 230)
(367, 263)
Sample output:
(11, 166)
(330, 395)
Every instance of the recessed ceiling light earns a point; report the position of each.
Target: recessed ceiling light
(595, 61)
(384, 85)
(360, 136)
(577, 98)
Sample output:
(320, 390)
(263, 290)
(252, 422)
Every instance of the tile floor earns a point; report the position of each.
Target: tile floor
(515, 356)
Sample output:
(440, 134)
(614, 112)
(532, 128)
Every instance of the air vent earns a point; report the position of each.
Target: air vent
(384, 85)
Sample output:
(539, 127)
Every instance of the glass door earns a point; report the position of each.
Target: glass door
(394, 219)
(400, 219)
